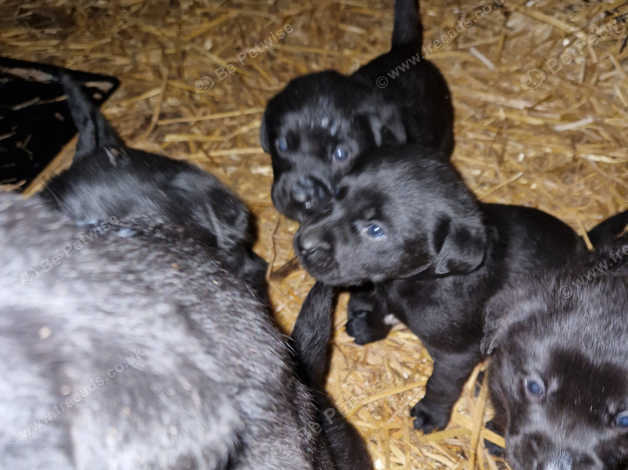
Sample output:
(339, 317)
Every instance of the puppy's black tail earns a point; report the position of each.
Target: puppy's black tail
(95, 132)
(310, 336)
(609, 229)
(408, 30)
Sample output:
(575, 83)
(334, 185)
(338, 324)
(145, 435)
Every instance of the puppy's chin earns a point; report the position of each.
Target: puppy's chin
(330, 275)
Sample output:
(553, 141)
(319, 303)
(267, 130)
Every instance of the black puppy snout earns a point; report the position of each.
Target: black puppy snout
(310, 243)
(310, 192)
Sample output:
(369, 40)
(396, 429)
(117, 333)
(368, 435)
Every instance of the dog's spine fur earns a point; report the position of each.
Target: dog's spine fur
(609, 229)
(95, 132)
(408, 29)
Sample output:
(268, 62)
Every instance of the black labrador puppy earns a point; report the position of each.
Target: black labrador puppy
(108, 179)
(320, 123)
(435, 255)
(559, 372)
(130, 345)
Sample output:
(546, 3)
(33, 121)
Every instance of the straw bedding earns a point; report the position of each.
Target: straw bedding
(541, 98)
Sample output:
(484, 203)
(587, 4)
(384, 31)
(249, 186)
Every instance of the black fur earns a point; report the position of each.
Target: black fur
(311, 335)
(566, 331)
(318, 113)
(321, 112)
(440, 255)
(108, 179)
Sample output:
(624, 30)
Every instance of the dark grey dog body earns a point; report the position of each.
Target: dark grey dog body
(559, 372)
(138, 352)
(143, 352)
(317, 126)
(435, 255)
(108, 179)
(135, 330)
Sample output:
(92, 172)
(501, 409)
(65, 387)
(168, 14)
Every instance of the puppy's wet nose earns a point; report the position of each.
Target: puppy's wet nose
(310, 242)
(310, 192)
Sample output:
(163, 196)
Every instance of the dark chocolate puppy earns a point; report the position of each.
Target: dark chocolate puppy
(128, 345)
(559, 372)
(320, 123)
(108, 179)
(409, 225)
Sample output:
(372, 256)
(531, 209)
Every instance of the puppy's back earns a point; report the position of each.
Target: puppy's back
(129, 347)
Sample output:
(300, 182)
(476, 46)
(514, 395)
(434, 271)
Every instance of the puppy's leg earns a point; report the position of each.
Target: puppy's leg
(451, 371)
(365, 316)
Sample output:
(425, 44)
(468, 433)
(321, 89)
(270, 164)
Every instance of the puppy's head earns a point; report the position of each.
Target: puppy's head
(314, 129)
(559, 373)
(394, 215)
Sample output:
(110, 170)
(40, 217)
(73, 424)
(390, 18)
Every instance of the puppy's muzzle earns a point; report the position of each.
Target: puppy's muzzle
(311, 193)
(315, 252)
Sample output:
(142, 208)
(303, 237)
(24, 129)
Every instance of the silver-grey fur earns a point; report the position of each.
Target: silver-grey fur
(139, 352)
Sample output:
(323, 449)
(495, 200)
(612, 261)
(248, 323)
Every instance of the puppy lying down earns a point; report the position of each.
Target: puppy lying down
(143, 351)
(108, 179)
(435, 254)
(559, 372)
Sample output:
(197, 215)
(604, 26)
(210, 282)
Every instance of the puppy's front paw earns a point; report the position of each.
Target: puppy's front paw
(429, 419)
(359, 328)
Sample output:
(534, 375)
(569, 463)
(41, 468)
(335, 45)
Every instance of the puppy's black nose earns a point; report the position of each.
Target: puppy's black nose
(310, 242)
(314, 251)
(310, 192)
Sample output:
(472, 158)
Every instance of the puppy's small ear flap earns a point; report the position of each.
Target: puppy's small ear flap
(460, 245)
(387, 119)
(510, 306)
(263, 134)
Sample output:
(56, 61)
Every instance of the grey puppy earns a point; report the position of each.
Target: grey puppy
(143, 352)
(109, 179)
(559, 372)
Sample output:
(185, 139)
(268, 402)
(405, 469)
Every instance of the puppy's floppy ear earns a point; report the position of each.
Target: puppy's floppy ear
(460, 245)
(387, 118)
(510, 306)
(263, 134)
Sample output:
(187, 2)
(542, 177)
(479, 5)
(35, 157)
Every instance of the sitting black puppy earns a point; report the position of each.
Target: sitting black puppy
(435, 254)
(108, 179)
(130, 346)
(559, 372)
(320, 123)
(317, 126)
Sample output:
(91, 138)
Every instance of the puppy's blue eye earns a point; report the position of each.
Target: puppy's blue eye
(622, 420)
(374, 231)
(535, 388)
(340, 153)
(282, 144)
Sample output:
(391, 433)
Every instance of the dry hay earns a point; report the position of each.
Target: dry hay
(541, 102)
